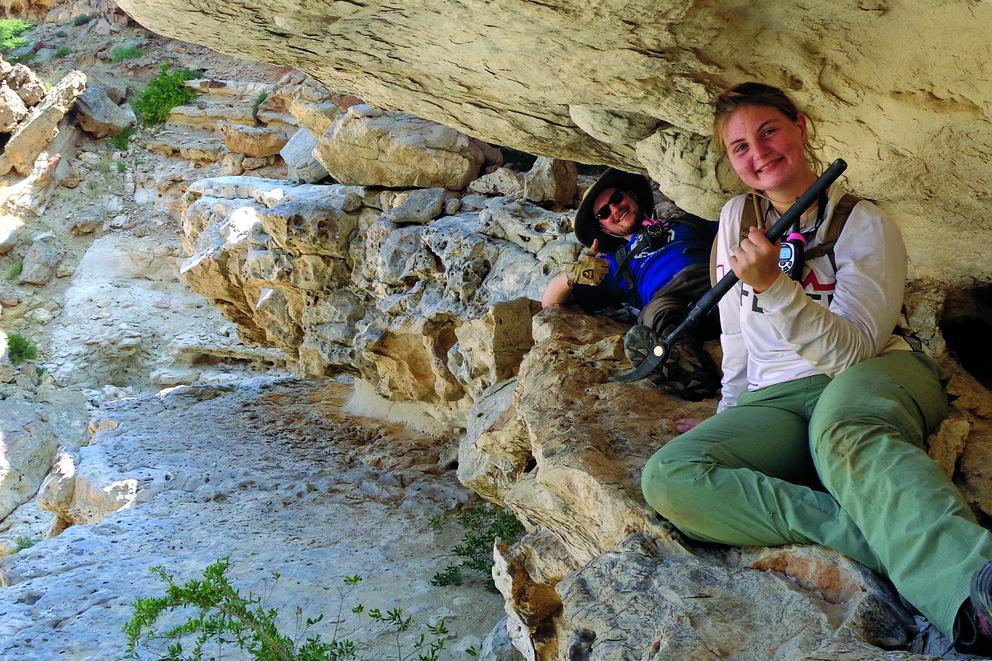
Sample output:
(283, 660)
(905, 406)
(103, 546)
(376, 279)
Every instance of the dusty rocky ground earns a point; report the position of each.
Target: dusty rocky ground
(270, 474)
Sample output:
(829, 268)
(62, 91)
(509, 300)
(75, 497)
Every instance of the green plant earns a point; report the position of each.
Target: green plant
(19, 349)
(121, 166)
(22, 543)
(14, 270)
(11, 30)
(481, 527)
(123, 137)
(121, 53)
(450, 575)
(61, 34)
(62, 51)
(82, 19)
(23, 58)
(164, 92)
(257, 101)
(223, 615)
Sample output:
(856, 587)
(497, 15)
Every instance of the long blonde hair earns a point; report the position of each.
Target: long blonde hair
(759, 94)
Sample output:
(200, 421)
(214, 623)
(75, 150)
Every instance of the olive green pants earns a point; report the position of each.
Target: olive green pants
(755, 476)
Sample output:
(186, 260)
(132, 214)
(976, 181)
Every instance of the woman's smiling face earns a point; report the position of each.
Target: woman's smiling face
(765, 149)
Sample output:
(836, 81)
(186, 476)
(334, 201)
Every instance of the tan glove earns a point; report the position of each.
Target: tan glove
(588, 270)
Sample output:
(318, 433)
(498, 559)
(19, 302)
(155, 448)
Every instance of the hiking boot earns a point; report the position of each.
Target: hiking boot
(688, 371)
(973, 626)
(639, 342)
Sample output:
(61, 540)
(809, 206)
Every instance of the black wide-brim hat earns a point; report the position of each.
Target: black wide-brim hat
(587, 227)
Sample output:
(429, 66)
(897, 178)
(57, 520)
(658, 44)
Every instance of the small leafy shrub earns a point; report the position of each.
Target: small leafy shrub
(164, 92)
(14, 270)
(61, 52)
(19, 349)
(123, 137)
(223, 615)
(82, 19)
(22, 543)
(11, 30)
(121, 53)
(61, 34)
(481, 527)
(121, 166)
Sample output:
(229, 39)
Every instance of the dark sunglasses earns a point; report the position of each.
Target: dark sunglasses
(604, 211)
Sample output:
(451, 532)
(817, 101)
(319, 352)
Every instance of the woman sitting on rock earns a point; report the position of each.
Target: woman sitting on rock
(819, 436)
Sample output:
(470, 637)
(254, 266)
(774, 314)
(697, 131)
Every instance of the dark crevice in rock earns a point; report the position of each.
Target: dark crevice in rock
(966, 326)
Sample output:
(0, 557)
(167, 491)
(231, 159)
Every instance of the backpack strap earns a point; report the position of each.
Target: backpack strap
(842, 212)
(750, 217)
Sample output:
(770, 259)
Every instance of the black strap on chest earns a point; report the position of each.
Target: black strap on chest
(650, 237)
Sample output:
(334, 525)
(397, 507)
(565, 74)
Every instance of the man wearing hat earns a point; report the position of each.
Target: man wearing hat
(660, 267)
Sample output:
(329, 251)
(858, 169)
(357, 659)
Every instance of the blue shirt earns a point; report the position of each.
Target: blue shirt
(688, 244)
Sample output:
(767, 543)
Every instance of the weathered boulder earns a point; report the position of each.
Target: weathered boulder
(686, 607)
(23, 80)
(41, 125)
(99, 115)
(527, 225)
(417, 206)
(40, 262)
(551, 181)
(12, 109)
(255, 141)
(298, 154)
(501, 181)
(372, 147)
(26, 453)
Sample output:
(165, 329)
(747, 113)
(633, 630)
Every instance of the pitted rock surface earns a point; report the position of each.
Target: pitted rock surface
(268, 472)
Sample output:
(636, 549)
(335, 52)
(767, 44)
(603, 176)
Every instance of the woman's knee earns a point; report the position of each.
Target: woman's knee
(671, 485)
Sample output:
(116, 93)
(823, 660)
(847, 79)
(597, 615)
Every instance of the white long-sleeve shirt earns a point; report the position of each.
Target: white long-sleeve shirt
(831, 321)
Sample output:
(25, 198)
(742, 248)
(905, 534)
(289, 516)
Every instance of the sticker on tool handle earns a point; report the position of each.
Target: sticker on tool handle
(787, 257)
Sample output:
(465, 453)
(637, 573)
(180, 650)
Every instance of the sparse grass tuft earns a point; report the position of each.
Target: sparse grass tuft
(82, 19)
(11, 30)
(164, 92)
(123, 137)
(19, 349)
(62, 51)
(121, 53)
(14, 270)
(22, 543)
(121, 166)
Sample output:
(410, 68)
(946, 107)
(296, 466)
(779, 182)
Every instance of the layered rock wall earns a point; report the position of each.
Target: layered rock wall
(900, 89)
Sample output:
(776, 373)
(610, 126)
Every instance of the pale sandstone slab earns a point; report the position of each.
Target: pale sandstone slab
(41, 125)
(372, 147)
(26, 452)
